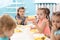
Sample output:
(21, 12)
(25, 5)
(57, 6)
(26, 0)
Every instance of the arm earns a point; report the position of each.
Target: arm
(52, 36)
(26, 20)
(40, 28)
(52, 33)
(18, 20)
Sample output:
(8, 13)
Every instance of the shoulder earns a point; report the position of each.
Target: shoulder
(18, 17)
(45, 20)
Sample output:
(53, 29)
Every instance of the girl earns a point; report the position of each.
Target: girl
(7, 26)
(55, 32)
(21, 19)
(43, 21)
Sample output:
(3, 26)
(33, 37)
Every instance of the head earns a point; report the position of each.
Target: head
(7, 24)
(43, 13)
(20, 11)
(56, 20)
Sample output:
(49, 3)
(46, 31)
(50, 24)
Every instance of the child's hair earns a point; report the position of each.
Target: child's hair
(7, 22)
(46, 10)
(19, 9)
(56, 14)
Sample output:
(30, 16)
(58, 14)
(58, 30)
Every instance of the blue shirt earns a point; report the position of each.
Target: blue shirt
(57, 32)
(4, 38)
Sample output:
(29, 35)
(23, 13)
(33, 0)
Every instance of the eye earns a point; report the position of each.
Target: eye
(41, 14)
(58, 21)
(53, 21)
(37, 14)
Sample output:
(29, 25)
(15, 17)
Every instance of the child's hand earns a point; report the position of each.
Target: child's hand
(54, 28)
(19, 21)
(34, 22)
(45, 22)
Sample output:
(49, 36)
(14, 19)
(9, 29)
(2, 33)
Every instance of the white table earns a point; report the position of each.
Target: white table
(24, 35)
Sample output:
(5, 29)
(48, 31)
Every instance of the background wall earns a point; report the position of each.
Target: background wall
(30, 6)
(12, 8)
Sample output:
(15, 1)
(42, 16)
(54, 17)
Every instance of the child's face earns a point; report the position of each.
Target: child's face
(9, 33)
(41, 14)
(56, 21)
(21, 12)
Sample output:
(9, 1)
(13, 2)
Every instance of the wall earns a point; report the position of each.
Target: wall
(11, 9)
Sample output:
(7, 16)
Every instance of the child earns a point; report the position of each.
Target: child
(21, 19)
(7, 26)
(43, 22)
(55, 32)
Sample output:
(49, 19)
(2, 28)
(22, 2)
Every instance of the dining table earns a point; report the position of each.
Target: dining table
(23, 32)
